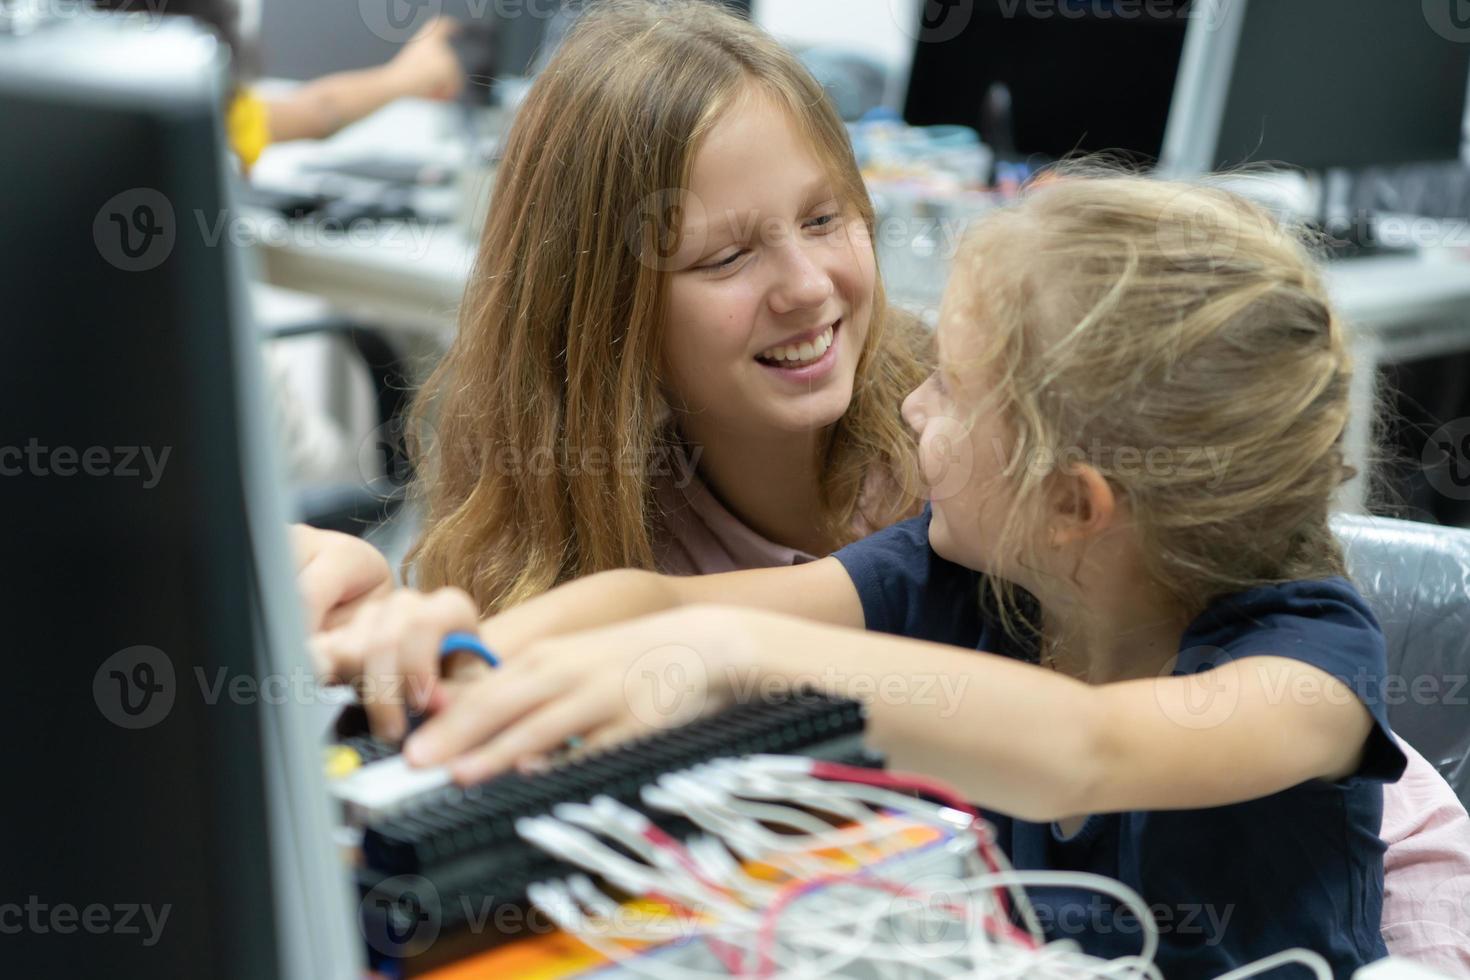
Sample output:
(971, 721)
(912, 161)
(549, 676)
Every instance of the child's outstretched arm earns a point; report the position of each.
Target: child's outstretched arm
(393, 641)
(1014, 737)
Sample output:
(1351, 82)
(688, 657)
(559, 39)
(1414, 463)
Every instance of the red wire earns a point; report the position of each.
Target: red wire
(920, 784)
(732, 958)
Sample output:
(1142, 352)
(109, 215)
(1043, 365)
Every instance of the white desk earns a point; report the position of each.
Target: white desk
(1410, 306)
(405, 275)
(408, 275)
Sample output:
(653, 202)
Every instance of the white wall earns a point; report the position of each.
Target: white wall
(882, 28)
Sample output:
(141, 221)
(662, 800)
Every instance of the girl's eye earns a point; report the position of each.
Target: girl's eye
(726, 263)
(939, 383)
(825, 221)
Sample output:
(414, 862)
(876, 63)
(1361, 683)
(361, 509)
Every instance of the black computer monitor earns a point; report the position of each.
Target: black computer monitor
(1082, 77)
(160, 817)
(1320, 84)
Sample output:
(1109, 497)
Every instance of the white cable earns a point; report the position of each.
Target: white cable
(735, 803)
(770, 774)
(1306, 957)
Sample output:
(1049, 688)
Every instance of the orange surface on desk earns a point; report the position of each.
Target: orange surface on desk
(553, 956)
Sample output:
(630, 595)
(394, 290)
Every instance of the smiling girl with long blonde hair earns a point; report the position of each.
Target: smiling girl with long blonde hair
(678, 202)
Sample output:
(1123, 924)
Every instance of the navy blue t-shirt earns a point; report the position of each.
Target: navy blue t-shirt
(1228, 885)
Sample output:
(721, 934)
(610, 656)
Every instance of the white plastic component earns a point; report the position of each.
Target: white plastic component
(382, 788)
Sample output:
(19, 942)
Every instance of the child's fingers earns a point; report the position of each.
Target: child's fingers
(609, 736)
(341, 653)
(533, 736)
(479, 711)
(415, 625)
(381, 689)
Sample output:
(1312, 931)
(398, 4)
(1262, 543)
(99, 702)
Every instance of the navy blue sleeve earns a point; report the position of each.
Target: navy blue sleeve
(1322, 622)
(908, 590)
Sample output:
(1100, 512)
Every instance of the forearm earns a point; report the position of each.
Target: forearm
(1010, 736)
(820, 591)
(1041, 746)
(320, 108)
(587, 603)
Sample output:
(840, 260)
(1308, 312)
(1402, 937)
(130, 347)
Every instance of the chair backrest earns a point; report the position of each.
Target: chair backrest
(1416, 577)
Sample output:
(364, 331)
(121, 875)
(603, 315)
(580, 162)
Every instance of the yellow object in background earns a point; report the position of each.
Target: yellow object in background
(342, 761)
(248, 123)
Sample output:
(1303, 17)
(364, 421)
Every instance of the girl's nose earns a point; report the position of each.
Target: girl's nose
(803, 284)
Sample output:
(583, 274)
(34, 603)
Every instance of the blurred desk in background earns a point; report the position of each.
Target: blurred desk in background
(403, 272)
(404, 275)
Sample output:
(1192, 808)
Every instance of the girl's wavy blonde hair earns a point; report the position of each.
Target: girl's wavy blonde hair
(546, 413)
(1124, 317)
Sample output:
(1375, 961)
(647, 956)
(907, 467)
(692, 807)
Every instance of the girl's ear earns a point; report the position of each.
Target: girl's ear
(1083, 505)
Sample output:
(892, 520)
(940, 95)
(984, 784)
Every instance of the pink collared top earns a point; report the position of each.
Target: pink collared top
(699, 535)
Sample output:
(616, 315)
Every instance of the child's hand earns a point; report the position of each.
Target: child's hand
(337, 574)
(427, 66)
(389, 651)
(602, 686)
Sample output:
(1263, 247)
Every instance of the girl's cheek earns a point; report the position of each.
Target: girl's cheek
(946, 457)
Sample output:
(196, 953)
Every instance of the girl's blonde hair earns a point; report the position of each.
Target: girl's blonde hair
(1179, 339)
(547, 414)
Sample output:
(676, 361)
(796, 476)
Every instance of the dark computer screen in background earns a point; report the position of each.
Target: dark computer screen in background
(1344, 83)
(1082, 76)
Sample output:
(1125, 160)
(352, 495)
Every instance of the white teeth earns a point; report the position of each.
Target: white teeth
(798, 353)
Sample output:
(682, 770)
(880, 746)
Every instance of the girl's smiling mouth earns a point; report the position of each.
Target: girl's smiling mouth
(806, 360)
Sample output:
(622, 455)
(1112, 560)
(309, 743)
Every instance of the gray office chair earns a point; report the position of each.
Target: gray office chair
(1416, 577)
